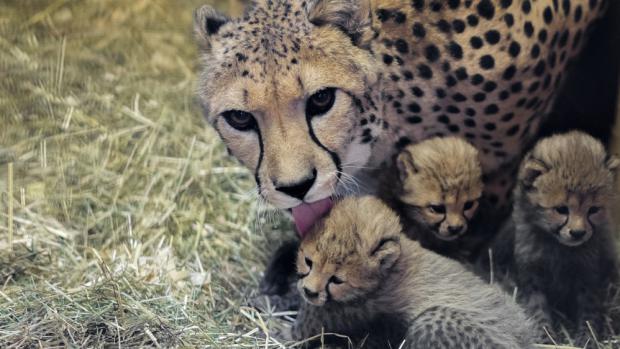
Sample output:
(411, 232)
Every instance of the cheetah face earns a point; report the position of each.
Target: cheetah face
(571, 217)
(567, 182)
(283, 94)
(449, 219)
(324, 279)
(440, 185)
(348, 255)
(322, 282)
(572, 221)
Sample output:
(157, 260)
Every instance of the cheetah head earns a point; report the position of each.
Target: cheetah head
(347, 256)
(440, 185)
(282, 86)
(566, 186)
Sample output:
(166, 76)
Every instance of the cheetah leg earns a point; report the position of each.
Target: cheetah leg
(347, 328)
(538, 309)
(593, 313)
(312, 321)
(277, 288)
(280, 270)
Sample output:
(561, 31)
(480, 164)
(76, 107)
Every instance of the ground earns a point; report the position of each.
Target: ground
(122, 219)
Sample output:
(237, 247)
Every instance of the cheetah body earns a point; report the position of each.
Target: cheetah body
(486, 71)
(395, 290)
(405, 71)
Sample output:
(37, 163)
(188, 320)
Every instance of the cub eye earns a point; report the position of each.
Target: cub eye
(468, 205)
(308, 262)
(320, 102)
(593, 210)
(441, 209)
(335, 280)
(240, 120)
(563, 210)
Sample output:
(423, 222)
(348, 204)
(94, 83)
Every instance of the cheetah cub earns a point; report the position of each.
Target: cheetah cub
(564, 256)
(361, 277)
(438, 195)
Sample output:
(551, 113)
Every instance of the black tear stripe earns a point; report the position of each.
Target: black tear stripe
(329, 295)
(436, 226)
(334, 156)
(592, 225)
(563, 224)
(260, 157)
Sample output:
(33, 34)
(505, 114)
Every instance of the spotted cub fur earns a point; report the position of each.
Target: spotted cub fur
(362, 278)
(439, 192)
(561, 250)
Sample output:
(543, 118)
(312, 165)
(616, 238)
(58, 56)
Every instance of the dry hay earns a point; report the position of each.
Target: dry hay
(122, 221)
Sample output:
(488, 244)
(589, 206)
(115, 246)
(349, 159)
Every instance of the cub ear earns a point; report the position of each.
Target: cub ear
(612, 163)
(353, 17)
(386, 252)
(406, 165)
(531, 169)
(207, 22)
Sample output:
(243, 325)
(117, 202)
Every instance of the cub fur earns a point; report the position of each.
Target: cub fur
(360, 277)
(439, 191)
(560, 251)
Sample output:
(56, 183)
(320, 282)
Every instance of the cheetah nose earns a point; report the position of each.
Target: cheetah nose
(300, 189)
(455, 229)
(577, 234)
(310, 294)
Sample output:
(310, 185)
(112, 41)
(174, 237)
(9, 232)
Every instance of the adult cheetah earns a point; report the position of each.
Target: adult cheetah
(307, 93)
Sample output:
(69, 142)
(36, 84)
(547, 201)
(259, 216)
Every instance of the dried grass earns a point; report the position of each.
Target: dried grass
(122, 220)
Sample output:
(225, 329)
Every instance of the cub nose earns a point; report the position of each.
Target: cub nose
(456, 229)
(577, 234)
(310, 294)
(300, 189)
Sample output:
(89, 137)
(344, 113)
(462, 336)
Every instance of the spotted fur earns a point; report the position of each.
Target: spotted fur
(439, 192)
(401, 72)
(558, 249)
(361, 278)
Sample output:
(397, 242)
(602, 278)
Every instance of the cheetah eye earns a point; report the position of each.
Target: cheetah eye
(308, 262)
(240, 120)
(468, 205)
(593, 210)
(563, 210)
(335, 280)
(320, 102)
(440, 209)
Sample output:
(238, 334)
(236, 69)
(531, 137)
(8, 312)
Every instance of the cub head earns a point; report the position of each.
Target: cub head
(348, 254)
(440, 185)
(565, 185)
(282, 86)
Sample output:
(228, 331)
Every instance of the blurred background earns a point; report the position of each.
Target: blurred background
(122, 219)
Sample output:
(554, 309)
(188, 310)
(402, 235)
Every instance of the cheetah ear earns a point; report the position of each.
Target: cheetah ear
(353, 17)
(531, 169)
(386, 252)
(406, 165)
(207, 22)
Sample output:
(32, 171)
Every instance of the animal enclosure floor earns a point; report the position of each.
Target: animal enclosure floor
(122, 219)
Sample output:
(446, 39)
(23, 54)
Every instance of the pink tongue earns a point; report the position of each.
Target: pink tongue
(305, 215)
